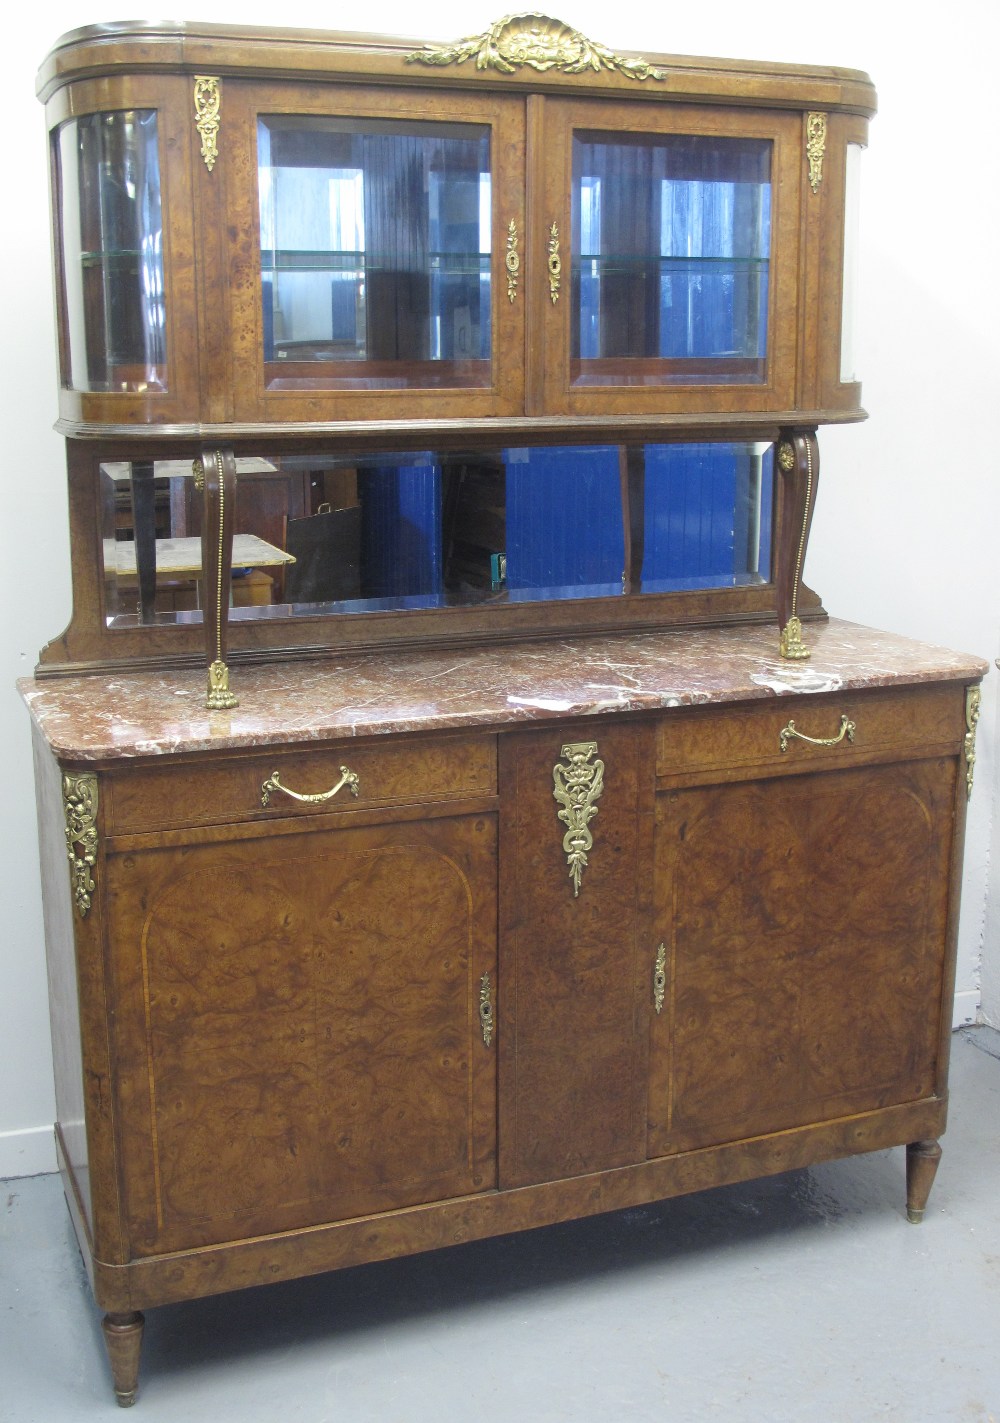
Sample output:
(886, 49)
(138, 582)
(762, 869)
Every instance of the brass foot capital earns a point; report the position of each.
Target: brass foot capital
(791, 644)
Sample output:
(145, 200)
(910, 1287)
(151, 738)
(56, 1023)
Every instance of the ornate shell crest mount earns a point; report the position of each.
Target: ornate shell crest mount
(541, 43)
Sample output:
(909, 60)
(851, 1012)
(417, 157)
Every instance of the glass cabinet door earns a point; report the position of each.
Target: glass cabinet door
(384, 224)
(672, 256)
(123, 241)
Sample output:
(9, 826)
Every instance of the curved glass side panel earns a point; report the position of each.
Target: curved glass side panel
(111, 238)
(852, 226)
(375, 252)
(671, 256)
(322, 535)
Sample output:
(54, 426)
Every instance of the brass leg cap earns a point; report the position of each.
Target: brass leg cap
(913, 1215)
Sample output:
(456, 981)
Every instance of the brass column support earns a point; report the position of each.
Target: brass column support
(215, 476)
(798, 467)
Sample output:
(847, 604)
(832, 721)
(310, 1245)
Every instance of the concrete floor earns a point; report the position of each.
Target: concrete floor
(806, 1297)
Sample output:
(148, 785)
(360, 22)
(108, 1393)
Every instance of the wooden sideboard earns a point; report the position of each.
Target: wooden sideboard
(530, 868)
(558, 929)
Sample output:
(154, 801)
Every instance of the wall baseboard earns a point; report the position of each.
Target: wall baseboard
(29, 1152)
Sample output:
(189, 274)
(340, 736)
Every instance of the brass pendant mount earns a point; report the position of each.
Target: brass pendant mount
(578, 787)
(207, 115)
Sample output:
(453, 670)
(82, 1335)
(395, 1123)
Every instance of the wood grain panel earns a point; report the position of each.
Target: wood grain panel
(574, 1004)
(806, 925)
(212, 792)
(747, 738)
(299, 1035)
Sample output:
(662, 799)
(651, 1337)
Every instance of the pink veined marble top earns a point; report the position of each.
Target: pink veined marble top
(375, 693)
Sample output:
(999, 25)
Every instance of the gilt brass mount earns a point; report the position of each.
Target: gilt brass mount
(218, 696)
(790, 733)
(80, 811)
(660, 978)
(348, 778)
(207, 110)
(541, 43)
(554, 263)
(815, 147)
(973, 701)
(790, 643)
(578, 786)
(512, 261)
(486, 1008)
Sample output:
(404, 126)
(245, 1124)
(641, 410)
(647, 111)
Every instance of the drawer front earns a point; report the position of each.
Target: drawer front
(841, 729)
(270, 785)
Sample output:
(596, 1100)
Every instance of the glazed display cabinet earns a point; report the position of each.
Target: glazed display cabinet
(454, 408)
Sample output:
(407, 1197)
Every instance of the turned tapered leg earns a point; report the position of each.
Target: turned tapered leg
(123, 1338)
(922, 1159)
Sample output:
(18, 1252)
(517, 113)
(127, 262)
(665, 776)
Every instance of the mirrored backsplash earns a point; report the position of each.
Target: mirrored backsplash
(352, 534)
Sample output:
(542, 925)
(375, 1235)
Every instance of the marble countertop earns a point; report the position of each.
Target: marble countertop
(366, 694)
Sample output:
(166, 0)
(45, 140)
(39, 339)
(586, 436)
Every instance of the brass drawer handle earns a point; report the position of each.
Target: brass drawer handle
(347, 778)
(789, 733)
(486, 1008)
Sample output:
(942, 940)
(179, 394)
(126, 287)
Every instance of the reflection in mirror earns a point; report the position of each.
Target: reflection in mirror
(671, 246)
(359, 533)
(375, 251)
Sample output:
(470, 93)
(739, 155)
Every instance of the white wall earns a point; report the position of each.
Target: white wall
(907, 530)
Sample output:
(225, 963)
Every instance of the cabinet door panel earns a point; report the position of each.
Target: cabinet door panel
(805, 925)
(370, 277)
(673, 235)
(573, 1008)
(300, 1040)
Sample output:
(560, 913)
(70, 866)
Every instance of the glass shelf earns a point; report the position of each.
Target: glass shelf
(460, 263)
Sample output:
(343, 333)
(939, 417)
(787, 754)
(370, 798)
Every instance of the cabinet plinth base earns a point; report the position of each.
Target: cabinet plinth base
(123, 1339)
(922, 1158)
